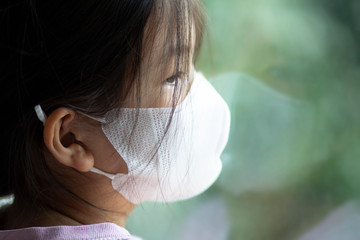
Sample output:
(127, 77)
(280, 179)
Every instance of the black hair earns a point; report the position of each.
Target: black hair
(86, 54)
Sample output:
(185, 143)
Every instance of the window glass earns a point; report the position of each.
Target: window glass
(289, 71)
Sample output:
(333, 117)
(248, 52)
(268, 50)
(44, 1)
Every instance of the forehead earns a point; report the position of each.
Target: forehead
(169, 37)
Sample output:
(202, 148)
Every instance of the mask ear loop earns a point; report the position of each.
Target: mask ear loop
(101, 120)
(98, 171)
(40, 114)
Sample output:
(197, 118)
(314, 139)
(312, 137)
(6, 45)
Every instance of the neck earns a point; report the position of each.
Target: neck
(89, 204)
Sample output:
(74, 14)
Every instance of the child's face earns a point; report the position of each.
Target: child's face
(158, 89)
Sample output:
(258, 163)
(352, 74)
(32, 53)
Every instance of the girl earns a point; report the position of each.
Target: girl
(102, 111)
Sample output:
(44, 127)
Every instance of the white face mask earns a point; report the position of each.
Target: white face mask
(173, 165)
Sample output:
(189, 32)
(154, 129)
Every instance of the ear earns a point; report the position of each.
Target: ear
(60, 137)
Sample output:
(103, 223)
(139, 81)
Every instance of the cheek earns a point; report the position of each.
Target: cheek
(163, 95)
(152, 96)
(106, 157)
(154, 93)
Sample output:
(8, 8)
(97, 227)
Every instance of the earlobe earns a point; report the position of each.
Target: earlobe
(68, 151)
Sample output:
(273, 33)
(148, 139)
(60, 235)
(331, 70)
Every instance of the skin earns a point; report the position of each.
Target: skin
(75, 144)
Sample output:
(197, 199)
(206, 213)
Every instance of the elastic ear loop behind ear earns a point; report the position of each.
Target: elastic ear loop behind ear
(40, 114)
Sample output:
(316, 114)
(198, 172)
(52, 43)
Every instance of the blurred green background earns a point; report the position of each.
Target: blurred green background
(289, 70)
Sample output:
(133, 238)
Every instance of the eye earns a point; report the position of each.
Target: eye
(175, 79)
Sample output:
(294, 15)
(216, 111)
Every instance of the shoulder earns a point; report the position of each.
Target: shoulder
(104, 231)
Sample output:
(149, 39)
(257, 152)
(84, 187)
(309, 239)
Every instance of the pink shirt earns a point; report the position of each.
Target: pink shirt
(103, 231)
